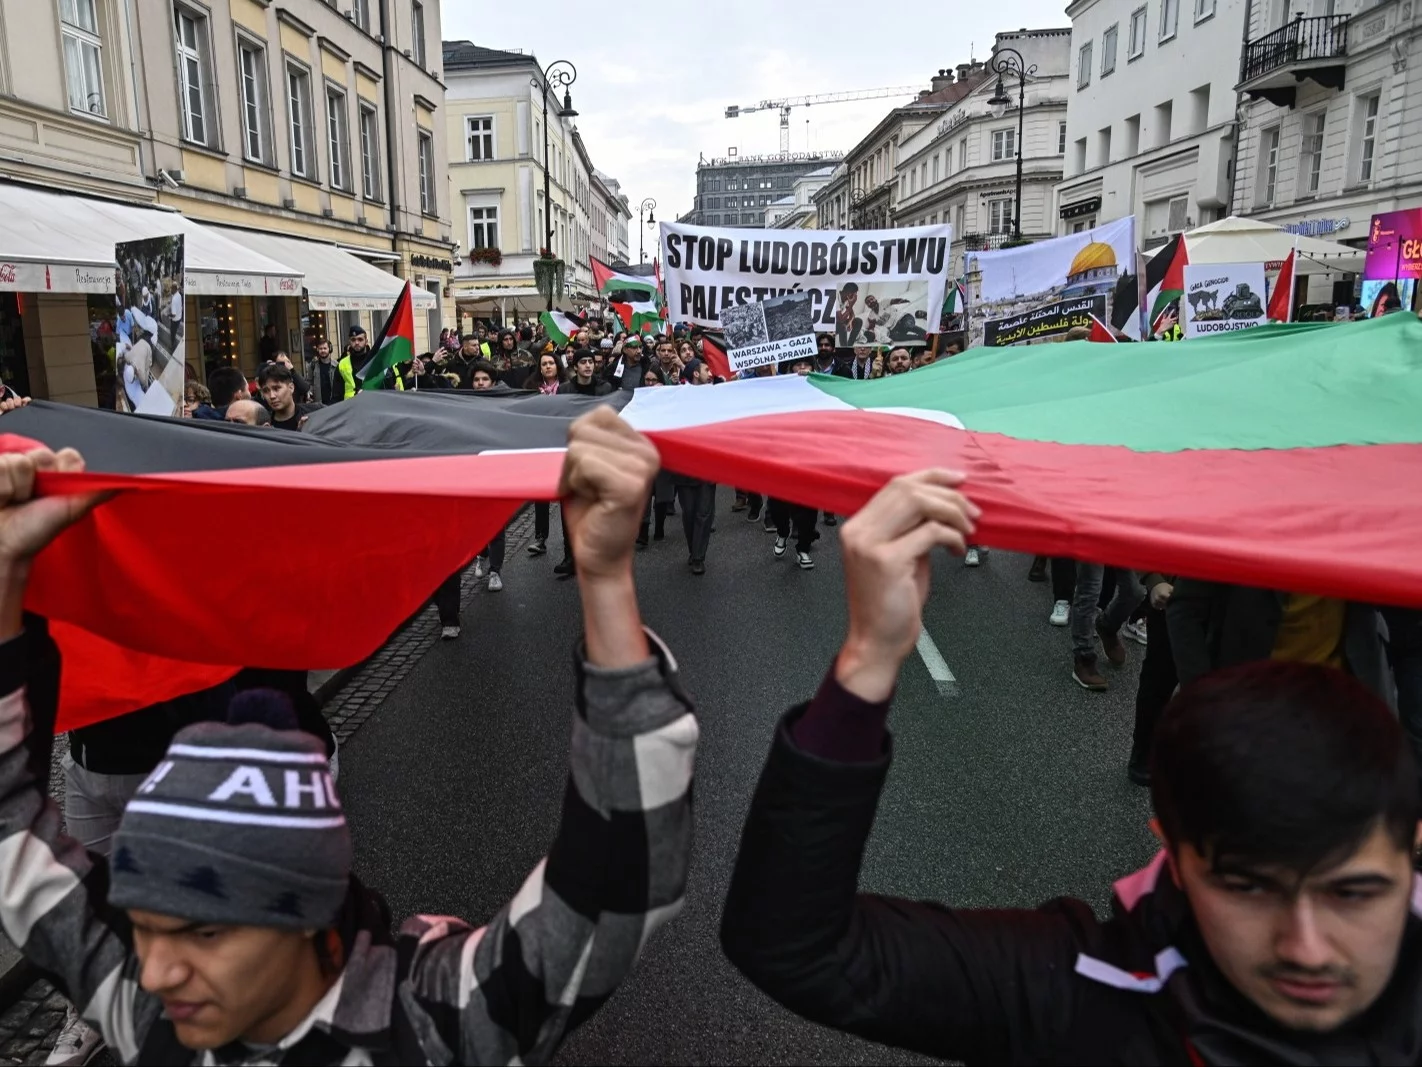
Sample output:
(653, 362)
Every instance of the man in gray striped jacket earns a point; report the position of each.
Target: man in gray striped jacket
(228, 927)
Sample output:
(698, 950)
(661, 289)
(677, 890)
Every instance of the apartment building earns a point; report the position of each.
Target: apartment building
(298, 146)
(616, 241)
(797, 210)
(736, 190)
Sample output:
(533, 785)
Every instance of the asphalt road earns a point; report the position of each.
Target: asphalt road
(1011, 792)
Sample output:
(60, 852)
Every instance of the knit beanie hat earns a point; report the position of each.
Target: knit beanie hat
(238, 825)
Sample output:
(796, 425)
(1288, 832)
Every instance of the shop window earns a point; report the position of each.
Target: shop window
(14, 367)
(217, 318)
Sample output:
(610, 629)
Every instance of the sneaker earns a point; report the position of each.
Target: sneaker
(779, 547)
(1111, 642)
(1038, 571)
(77, 1044)
(830, 520)
(1061, 613)
(753, 514)
(448, 633)
(741, 503)
(1086, 675)
(538, 547)
(970, 558)
(806, 563)
(1135, 631)
(479, 566)
(567, 566)
(698, 566)
(496, 584)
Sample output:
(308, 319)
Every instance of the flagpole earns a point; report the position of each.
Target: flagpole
(1293, 276)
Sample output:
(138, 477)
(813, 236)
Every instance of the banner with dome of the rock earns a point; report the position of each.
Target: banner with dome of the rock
(1032, 293)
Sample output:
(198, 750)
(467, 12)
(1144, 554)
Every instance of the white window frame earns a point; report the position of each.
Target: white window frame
(963, 154)
(360, 12)
(935, 168)
(1204, 9)
(83, 48)
(424, 147)
(369, 150)
(1140, 29)
(1000, 215)
(486, 135)
(299, 118)
(1368, 125)
(1269, 140)
(417, 33)
(486, 223)
(1004, 144)
(1083, 65)
(1311, 159)
(1110, 38)
(194, 58)
(1169, 19)
(338, 137)
(1061, 137)
(253, 90)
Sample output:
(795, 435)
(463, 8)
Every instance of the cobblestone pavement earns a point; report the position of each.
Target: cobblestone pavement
(29, 1027)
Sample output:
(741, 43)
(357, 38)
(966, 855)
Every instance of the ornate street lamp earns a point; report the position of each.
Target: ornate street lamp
(645, 208)
(548, 269)
(1009, 62)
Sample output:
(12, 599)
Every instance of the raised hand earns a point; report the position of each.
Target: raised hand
(606, 482)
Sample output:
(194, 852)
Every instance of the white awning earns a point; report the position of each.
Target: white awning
(335, 280)
(56, 243)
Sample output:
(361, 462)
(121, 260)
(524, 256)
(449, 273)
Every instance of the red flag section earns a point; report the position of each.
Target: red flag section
(1281, 300)
(1100, 331)
(716, 358)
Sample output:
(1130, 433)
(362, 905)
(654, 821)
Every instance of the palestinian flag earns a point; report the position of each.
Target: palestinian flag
(560, 325)
(1163, 284)
(716, 358)
(1267, 457)
(955, 299)
(636, 299)
(395, 344)
(1100, 331)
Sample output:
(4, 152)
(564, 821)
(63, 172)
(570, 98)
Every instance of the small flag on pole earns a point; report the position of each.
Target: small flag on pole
(1281, 300)
(394, 345)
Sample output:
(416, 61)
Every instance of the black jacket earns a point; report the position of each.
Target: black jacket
(596, 387)
(1048, 985)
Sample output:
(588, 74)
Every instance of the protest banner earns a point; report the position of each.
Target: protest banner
(1222, 297)
(1043, 323)
(770, 331)
(866, 286)
(1394, 263)
(149, 351)
(1013, 282)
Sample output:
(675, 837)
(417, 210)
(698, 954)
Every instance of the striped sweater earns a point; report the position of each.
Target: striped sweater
(440, 990)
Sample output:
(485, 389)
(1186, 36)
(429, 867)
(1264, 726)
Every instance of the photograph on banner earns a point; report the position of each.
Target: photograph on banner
(1043, 323)
(1013, 282)
(770, 331)
(1223, 297)
(1394, 263)
(866, 286)
(149, 352)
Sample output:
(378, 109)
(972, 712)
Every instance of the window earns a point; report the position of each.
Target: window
(1103, 142)
(1311, 153)
(479, 129)
(1368, 136)
(83, 56)
(338, 138)
(1004, 144)
(1169, 18)
(298, 96)
(962, 153)
(252, 71)
(1179, 214)
(194, 74)
(1083, 66)
(1061, 138)
(360, 13)
(999, 216)
(1205, 8)
(1136, 46)
(427, 189)
(417, 33)
(483, 227)
(935, 168)
(1108, 50)
(369, 152)
(1133, 137)
(1268, 165)
(958, 219)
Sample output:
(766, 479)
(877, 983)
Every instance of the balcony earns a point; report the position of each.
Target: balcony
(1313, 48)
(985, 242)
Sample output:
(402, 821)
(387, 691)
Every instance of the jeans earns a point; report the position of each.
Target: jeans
(803, 519)
(698, 503)
(1063, 578)
(1157, 684)
(446, 600)
(494, 550)
(540, 521)
(93, 804)
(1084, 604)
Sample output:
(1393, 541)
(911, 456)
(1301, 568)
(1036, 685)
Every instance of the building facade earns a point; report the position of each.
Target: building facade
(507, 131)
(1150, 114)
(1332, 118)
(735, 191)
(609, 239)
(796, 211)
(295, 135)
(962, 168)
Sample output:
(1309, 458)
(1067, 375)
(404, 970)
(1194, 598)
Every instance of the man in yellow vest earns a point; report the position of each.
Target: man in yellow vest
(356, 356)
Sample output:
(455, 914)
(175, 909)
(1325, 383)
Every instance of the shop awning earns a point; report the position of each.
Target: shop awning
(335, 280)
(57, 243)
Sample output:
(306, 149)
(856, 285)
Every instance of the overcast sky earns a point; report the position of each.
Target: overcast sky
(655, 78)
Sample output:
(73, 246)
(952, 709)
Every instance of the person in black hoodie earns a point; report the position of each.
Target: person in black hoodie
(584, 379)
(1277, 924)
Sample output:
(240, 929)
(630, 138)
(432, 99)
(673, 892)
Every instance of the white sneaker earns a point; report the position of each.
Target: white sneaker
(970, 558)
(1135, 631)
(77, 1044)
(478, 566)
(448, 633)
(779, 547)
(496, 584)
(1061, 613)
(806, 563)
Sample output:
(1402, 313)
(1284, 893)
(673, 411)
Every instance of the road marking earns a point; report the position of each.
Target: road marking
(937, 665)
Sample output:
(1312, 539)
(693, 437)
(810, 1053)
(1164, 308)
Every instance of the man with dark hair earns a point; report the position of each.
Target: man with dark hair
(1275, 925)
(826, 358)
(584, 379)
(227, 384)
(899, 362)
(326, 387)
(278, 387)
(482, 374)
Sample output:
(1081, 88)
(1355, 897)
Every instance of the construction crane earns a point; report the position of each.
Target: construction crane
(784, 106)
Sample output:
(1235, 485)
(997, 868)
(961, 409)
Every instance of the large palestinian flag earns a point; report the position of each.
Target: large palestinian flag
(1282, 456)
(635, 299)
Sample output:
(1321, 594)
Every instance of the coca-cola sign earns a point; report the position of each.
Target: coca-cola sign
(289, 285)
(7, 274)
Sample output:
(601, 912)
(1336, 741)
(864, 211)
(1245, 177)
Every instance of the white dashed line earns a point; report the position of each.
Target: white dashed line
(937, 665)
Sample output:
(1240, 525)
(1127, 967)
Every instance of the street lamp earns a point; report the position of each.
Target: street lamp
(1009, 61)
(558, 73)
(645, 208)
(856, 201)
